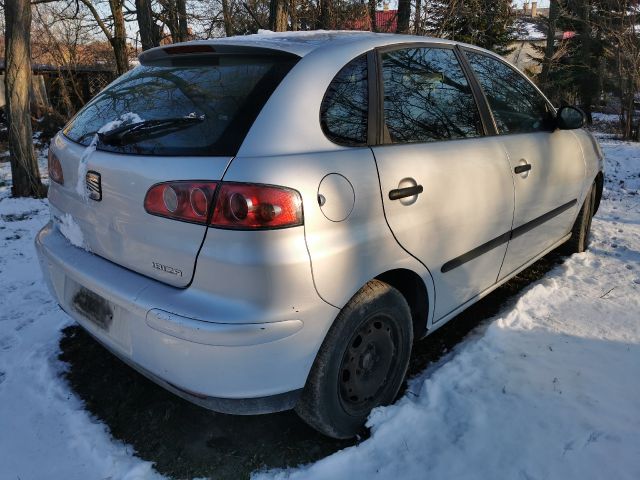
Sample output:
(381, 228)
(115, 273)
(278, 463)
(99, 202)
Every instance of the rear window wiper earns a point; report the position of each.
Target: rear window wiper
(133, 132)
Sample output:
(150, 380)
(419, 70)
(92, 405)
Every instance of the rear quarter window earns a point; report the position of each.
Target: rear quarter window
(228, 92)
(345, 107)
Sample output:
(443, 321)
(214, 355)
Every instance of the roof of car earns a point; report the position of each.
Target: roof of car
(303, 42)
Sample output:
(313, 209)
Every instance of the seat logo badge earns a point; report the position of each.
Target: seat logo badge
(167, 269)
(94, 186)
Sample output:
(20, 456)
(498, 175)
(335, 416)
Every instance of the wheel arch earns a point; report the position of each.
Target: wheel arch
(599, 188)
(415, 292)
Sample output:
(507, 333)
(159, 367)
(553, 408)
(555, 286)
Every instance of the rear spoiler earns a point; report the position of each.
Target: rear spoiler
(167, 54)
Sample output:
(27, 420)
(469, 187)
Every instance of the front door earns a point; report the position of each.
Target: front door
(547, 164)
(447, 189)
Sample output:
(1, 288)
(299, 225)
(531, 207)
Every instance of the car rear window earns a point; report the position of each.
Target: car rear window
(227, 92)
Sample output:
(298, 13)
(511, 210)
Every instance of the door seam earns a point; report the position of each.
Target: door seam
(513, 213)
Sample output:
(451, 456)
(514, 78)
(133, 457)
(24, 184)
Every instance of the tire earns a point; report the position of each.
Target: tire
(361, 363)
(581, 230)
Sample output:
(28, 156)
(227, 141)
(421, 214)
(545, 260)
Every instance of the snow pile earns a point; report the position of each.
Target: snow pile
(548, 389)
(528, 30)
(71, 230)
(124, 119)
(81, 187)
(308, 39)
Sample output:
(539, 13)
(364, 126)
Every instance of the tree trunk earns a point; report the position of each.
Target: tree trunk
(586, 87)
(326, 15)
(119, 39)
(24, 167)
(404, 14)
(171, 19)
(627, 132)
(372, 15)
(149, 31)
(226, 18)
(550, 47)
(183, 29)
(277, 16)
(293, 13)
(417, 20)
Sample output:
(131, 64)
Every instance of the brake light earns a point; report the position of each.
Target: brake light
(237, 205)
(185, 49)
(55, 168)
(245, 206)
(184, 200)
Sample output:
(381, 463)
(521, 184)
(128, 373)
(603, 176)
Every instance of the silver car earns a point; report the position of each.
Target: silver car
(269, 222)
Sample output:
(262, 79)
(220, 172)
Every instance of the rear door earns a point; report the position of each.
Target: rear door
(215, 99)
(446, 187)
(547, 164)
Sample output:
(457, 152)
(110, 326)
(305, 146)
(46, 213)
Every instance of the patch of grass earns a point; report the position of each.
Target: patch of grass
(183, 440)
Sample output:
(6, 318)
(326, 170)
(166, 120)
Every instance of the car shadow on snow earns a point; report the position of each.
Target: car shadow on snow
(185, 441)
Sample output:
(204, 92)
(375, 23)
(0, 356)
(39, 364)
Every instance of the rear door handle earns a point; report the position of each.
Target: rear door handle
(522, 168)
(399, 193)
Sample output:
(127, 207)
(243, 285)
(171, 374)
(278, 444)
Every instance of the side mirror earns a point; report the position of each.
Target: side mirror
(570, 118)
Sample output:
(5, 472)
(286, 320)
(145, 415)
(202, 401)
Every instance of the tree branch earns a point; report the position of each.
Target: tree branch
(99, 20)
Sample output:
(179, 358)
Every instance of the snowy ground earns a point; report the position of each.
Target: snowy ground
(549, 388)
(44, 430)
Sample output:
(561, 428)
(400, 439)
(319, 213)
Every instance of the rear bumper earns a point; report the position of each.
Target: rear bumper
(240, 358)
(233, 406)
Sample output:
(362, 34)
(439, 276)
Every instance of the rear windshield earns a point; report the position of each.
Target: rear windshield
(225, 92)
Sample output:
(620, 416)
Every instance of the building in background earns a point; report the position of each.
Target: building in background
(386, 21)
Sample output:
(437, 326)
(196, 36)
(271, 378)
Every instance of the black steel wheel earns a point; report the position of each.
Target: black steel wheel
(369, 360)
(361, 363)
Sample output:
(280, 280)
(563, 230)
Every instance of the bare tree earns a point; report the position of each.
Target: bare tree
(417, 20)
(149, 30)
(293, 13)
(327, 15)
(24, 167)
(63, 35)
(549, 52)
(625, 34)
(226, 18)
(404, 14)
(174, 13)
(372, 15)
(117, 35)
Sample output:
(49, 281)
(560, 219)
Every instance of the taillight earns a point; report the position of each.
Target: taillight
(245, 206)
(184, 200)
(55, 168)
(237, 205)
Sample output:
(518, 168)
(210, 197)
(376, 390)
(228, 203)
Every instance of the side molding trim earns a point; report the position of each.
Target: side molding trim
(505, 237)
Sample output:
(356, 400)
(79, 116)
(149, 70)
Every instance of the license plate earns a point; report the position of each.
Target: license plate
(93, 307)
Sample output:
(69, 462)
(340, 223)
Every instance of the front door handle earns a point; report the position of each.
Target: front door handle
(522, 168)
(399, 193)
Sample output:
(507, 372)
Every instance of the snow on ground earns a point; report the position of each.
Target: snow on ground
(605, 117)
(550, 388)
(44, 430)
(547, 389)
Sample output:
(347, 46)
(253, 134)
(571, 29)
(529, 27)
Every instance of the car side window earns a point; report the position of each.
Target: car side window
(345, 107)
(427, 97)
(516, 104)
